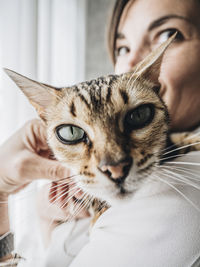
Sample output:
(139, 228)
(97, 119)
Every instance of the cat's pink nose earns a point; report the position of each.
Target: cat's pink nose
(118, 170)
(115, 171)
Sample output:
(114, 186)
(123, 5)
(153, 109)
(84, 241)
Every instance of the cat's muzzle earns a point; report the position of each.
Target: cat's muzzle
(117, 171)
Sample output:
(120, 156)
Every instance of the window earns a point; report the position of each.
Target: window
(44, 40)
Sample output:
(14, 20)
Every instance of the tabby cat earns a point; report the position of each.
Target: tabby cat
(111, 131)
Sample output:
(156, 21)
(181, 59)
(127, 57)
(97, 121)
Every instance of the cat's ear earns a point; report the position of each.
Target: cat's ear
(40, 95)
(149, 68)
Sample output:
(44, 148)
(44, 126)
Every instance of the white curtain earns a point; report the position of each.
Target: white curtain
(44, 40)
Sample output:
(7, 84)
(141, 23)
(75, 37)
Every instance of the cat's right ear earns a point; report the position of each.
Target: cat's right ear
(149, 67)
(40, 95)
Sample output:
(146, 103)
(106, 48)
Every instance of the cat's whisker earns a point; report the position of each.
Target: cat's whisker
(187, 179)
(86, 203)
(23, 195)
(62, 206)
(55, 185)
(85, 206)
(66, 181)
(191, 136)
(195, 176)
(54, 202)
(64, 184)
(78, 207)
(67, 219)
(179, 192)
(69, 181)
(174, 156)
(182, 147)
(183, 163)
(165, 170)
(72, 196)
(180, 178)
(78, 202)
(69, 177)
(61, 194)
(168, 149)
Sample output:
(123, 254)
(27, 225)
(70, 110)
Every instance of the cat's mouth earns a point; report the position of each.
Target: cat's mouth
(122, 188)
(121, 195)
(127, 186)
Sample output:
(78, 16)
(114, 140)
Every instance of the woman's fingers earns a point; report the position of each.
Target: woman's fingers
(64, 196)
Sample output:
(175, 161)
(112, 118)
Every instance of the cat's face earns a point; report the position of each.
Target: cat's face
(109, 131)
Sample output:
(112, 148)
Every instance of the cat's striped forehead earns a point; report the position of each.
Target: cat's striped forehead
(95, 94)
(106, 96)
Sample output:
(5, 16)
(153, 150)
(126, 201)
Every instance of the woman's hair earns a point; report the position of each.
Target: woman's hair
(113, 26)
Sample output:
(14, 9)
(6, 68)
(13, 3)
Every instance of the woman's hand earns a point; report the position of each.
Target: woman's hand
(24, 157)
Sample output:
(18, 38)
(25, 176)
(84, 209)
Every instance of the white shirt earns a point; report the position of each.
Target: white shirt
(158, 230)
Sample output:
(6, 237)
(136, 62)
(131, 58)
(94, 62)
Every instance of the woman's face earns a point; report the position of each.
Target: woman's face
(147, 23)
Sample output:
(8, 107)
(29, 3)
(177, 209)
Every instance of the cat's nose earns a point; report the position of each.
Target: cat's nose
(117, 171)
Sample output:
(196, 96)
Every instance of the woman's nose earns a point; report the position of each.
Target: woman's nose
(128, 62)
(133, 59)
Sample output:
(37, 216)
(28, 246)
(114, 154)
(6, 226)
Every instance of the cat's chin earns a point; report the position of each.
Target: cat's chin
(119, 197)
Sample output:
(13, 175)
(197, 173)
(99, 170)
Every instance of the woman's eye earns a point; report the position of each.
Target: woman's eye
(69, 134)
(122, 51)
(165, 35)
(139, 117)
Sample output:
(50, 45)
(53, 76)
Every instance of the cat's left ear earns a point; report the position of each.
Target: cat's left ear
(40, 95)
(149, 68)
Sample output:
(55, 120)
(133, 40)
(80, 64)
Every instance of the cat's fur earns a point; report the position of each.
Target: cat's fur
(113, 159)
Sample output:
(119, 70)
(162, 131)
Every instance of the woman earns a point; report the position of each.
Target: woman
(160, 231)
(136, 28)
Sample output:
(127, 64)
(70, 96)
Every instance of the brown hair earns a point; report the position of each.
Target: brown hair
(113, 26)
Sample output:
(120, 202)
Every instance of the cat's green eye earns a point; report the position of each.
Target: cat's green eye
(70, 134)
(139, 117)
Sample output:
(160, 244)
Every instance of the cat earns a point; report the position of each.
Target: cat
(111, 131)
